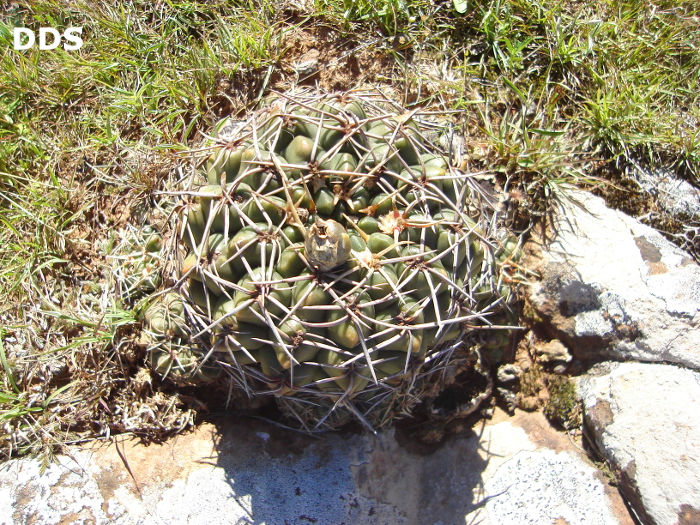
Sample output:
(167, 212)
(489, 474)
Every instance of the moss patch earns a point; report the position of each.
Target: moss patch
(562, 407)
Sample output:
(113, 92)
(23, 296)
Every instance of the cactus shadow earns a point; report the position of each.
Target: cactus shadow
(282, 477)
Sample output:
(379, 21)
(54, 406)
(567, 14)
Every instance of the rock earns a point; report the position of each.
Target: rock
(508, 373)
(307, 64)
(509, 398)
(510, 470)
(302, 7)
(560, 369)
(677, 197)
(552, 352)
(532, 485)
(645, 421)
(613, 288)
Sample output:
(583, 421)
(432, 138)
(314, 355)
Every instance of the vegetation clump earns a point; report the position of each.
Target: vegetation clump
(563, 406)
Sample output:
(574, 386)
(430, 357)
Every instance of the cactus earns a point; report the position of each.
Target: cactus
(138, 262)
(327, 253)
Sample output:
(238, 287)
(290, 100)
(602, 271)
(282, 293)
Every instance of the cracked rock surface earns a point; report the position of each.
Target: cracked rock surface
(627, 302)
(613, 288)
(645, 420)
(253, 473)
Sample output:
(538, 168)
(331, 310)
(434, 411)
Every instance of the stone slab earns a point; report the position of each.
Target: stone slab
(514, 470)
(645, 420)
(614, 288)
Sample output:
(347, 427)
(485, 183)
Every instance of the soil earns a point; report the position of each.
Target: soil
(326, 59)
(314, 56)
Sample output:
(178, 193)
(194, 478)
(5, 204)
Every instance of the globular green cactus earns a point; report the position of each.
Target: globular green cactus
(138, 262)
(329, 254)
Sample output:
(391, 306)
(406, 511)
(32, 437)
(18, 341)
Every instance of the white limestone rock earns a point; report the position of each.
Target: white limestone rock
(613, 288)
(541, 487)
(509, 470)
(645, 420)
(675, 196)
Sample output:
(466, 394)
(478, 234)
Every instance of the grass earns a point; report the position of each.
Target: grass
(547, 94)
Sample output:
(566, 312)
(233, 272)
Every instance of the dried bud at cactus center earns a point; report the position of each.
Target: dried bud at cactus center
(327, 245)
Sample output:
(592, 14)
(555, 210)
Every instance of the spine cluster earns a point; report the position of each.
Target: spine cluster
(332, 253)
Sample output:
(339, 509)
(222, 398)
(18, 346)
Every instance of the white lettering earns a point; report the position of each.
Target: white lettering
(73, 34)
(49, 38)
(18, 32)
(42, 38)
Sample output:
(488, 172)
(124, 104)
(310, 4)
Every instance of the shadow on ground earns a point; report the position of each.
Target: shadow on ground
(280, 476)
